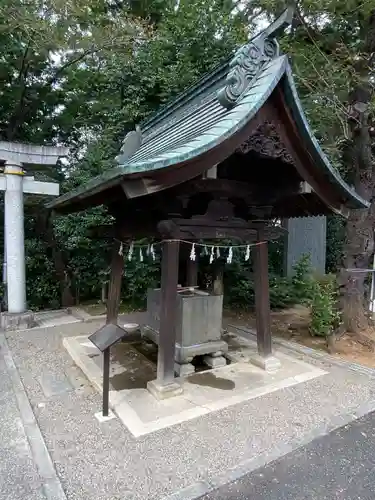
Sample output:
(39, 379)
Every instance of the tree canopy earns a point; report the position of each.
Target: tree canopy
(84, 72)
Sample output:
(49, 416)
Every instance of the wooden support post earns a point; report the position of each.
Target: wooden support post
(114, 290)
(262, 298)
(264, 359)
(167, 334)
(106, 359)
(165, 386)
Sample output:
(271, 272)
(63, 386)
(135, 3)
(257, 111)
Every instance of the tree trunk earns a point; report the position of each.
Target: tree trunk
(45, 231)
(357, 157)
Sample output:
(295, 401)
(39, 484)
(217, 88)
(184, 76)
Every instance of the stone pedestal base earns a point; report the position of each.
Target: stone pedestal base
(164, 391)
(215, 361)
(17, 321)
(185, 354)
(184, 369)
(269, 364)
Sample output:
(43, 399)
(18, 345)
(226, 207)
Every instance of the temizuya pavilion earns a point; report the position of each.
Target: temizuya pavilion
(223, 160)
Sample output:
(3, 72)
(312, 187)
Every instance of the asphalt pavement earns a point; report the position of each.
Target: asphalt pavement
(339, 466)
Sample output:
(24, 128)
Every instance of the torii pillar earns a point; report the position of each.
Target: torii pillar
(14, 182)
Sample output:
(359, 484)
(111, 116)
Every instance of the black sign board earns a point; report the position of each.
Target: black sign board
(107, 336)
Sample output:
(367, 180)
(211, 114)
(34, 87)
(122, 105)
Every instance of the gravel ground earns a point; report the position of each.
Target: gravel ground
(104, 461)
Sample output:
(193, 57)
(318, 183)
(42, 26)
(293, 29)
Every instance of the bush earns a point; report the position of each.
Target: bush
(284, 291)
(302, 281)
(325, 316)
(138, 278)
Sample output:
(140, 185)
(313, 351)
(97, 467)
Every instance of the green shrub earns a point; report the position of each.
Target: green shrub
(302, 280)
(284, 291)
(138, 278)
(325, 316)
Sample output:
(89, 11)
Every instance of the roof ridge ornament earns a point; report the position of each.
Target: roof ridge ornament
(251, 58)
(130, 145)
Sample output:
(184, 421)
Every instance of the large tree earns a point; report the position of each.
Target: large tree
(332, 46)
(83, 73)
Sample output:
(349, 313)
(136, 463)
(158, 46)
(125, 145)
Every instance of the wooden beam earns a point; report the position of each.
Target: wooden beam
(114, 291)
(262, 298)
(200, 228)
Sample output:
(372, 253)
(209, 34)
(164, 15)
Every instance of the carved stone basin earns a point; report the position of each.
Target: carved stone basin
(198, 327)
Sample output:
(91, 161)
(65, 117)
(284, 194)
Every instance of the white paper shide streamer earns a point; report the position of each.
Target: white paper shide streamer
(192, 252)
(247, 254)
(214, 251)
(131, 249)
(212, 255)
(230, 256)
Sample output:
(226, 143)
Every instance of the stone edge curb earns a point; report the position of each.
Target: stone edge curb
(82, 315)
(312, 353)
(202, 488)
(52, 487)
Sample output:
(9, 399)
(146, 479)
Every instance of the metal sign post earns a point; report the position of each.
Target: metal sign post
(103, 339)
(106, 358)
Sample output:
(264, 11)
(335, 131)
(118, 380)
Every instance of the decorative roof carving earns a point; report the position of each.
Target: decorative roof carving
(250, 59)
(131, 143)
(266, 142)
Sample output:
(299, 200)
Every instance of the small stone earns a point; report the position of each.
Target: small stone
(215, 362)
(184, 370)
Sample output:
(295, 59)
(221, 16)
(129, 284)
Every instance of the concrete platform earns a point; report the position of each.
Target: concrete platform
(203, 393)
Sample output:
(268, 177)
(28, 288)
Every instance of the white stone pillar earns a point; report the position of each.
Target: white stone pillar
(14, 235)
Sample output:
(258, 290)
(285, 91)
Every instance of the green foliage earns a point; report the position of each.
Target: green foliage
(325, 316)
(284, 291)
(83, 72)
(138, 277)
(335, 240)
(302, 281)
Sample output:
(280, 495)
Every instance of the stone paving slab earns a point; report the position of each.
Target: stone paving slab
(203, 392)
(45, 319)
(104, 460)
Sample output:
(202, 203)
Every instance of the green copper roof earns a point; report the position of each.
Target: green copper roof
(214, 110)
(187, 137)
(210, 125)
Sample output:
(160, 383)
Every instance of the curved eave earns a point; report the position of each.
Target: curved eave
(216, 133)
(350, 197)
(98, 184)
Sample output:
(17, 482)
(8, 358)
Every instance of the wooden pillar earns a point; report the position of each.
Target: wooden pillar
(165, 386)
(262, 298)
(114, 290)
